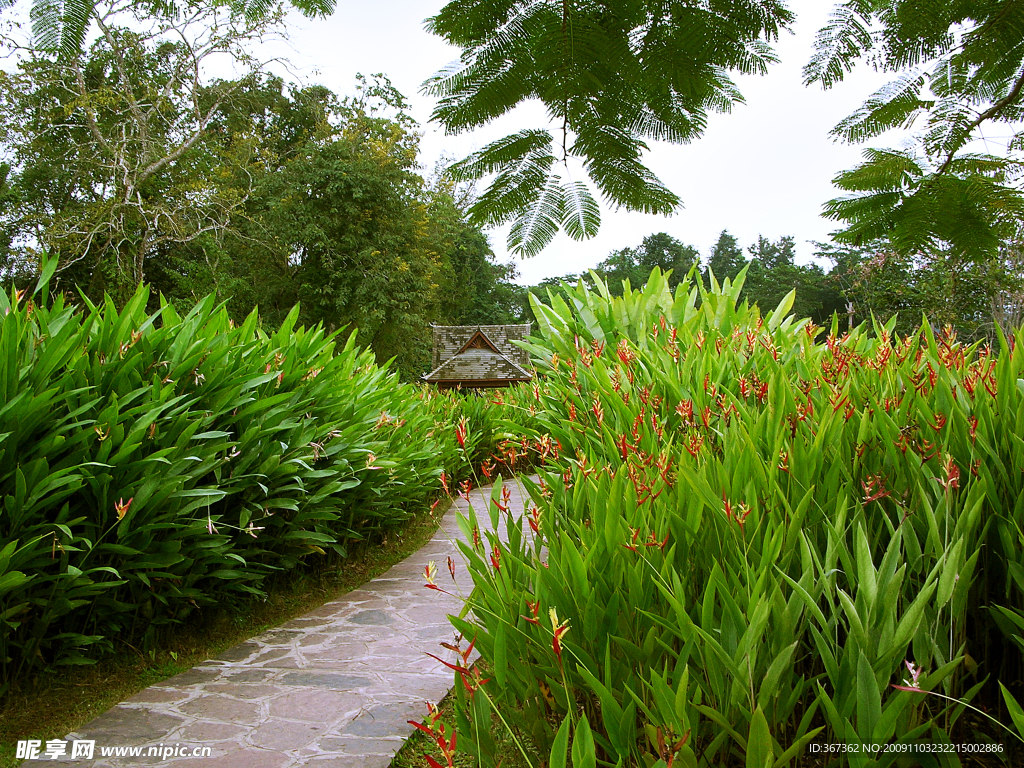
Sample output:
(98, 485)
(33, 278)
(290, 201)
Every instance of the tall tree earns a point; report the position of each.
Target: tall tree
(726, 258)
(960, 69)
(112, 156)
(611, 75)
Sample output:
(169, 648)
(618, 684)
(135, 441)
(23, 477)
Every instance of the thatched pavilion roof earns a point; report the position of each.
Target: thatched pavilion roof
(479, 356)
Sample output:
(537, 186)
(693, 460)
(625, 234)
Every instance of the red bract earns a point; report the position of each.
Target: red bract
(874, 489)
(952, 479)
(558, 630)
(461, 431)
(534, 519)
(534, 606)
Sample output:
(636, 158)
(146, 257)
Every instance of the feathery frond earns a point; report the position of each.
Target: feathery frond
(610, 75)
(961, 66)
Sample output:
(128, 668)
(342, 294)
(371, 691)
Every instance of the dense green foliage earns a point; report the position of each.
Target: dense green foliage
(749, 527)
(267, 194)
(151, 464)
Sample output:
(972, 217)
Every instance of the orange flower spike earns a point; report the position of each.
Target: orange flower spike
(496, 557)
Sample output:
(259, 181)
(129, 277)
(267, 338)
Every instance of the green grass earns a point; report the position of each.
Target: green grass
(57, 704)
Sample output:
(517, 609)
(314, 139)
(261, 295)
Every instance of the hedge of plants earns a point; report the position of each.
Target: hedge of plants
(153, 464)
(758, 535)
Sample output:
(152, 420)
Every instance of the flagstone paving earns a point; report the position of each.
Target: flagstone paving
(331, 689)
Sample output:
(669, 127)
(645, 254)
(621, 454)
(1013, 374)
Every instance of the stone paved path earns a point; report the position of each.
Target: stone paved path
(331, 689)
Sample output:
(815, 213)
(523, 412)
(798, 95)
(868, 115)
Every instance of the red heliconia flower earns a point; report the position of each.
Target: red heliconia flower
(464, 488)
(741, 514)
(874, 489)
(685, 410)
(598, 410)
(572, 411)
(430, 573)
(534, 606)
(122, 507)
(534, 519)
(705, 416)
(652, 541)
(461, 431)
(952, 479)
(635, 533)
(623, 446)
(695, 444)
(559, 629)
(444, 481)
(625, 353)
(451, 567)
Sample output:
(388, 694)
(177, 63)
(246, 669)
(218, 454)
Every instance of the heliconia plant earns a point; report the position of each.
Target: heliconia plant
(750, 528)
(151, 464)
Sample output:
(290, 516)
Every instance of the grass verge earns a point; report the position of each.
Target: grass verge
(419, 746)
(57, 704)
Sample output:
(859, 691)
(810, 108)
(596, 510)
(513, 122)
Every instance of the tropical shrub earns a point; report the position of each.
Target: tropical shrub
(755, 531)
(153, 464)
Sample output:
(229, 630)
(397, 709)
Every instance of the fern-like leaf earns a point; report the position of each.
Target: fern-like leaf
(897, 105)
(537, 222)
(582, 216)
(838, 46)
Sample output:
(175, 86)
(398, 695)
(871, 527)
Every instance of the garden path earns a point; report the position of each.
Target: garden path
(331, 689)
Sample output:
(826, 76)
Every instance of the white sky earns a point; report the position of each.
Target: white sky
(766, 168)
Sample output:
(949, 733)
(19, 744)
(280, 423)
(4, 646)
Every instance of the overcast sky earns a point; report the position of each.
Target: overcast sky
(766, 168)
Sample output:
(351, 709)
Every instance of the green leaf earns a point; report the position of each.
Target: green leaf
(560, 747)
(760, 749)
(583, 753)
